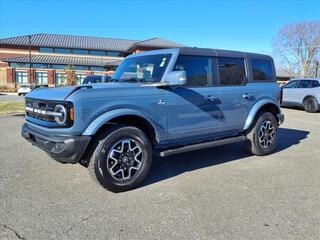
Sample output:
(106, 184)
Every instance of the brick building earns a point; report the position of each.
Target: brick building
(52, 53)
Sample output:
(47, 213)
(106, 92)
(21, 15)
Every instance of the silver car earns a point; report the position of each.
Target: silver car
(302, 93)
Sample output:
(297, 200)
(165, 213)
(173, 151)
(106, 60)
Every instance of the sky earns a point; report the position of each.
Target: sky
(237, 25)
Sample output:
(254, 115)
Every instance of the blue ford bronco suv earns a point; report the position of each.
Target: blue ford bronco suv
(160, 102)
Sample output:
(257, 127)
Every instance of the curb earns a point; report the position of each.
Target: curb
(9, 93)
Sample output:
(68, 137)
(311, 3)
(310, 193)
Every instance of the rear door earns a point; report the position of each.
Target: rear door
(236, 95)
(304, 89)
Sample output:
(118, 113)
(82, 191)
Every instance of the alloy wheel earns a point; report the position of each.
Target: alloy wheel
(124, 159)
(266, 134)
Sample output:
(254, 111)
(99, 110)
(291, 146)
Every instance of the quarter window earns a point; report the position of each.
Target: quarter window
(315, 84)
(232, 71)
(198, 69)
(262, 69)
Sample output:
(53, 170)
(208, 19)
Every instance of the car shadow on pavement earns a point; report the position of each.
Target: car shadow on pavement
(168, 167)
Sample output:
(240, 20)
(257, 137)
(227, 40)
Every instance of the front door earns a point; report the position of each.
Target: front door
(193, 110)
(289, 92)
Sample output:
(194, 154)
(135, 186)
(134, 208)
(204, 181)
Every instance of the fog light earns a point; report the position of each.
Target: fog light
(58, 146)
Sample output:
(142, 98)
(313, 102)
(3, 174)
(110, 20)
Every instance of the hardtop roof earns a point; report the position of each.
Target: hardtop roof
(219, 53)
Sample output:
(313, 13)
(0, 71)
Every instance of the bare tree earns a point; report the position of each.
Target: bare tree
(71, 76)
(297, 48)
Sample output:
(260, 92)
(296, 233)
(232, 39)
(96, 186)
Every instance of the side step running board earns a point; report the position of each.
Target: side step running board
(198, 146)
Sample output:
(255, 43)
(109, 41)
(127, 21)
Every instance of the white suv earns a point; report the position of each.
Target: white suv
(24, 89)
(302, 93)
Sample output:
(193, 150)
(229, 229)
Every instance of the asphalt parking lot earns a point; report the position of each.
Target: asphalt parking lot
(219, 193)
(10, 97)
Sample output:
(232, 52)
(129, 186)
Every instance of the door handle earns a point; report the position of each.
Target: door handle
(246, 96)
(211, 98)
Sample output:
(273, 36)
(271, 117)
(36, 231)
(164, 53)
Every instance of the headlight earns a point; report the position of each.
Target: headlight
(63, 114)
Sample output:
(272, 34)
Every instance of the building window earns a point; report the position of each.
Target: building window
(98, 53)
(78, 67)
(20, 65)
(80, 78)
(113, 53)
(21, 77)
(97, 68)
(58, 66)
(39, 65)
(262, 69)
(46, 50)
(80, 51)
(60, 79)
(232, 71)
(62, 50)
(198, 69)
(41, 78)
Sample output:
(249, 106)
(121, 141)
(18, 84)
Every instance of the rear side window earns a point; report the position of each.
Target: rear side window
(262, 69)
(232, 71)
(315, 84)
(198, 69)
(305, 84)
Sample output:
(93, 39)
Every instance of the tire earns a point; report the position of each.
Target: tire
(310, 105)
(116, 157)
(263, 136)
(19, 94)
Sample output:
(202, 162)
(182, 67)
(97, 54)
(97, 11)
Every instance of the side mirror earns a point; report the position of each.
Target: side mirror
(176, 78)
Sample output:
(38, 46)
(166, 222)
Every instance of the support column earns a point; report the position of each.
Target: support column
(51, 77)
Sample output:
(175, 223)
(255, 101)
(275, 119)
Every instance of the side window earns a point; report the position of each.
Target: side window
(291, 84)
(262, 69)
(232, 71)
(315, 84)
(305, 84)
(198, 69)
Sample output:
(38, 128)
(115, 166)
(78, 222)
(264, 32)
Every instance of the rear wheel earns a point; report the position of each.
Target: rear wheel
(262, 139)
(122, 158)
(310, 104)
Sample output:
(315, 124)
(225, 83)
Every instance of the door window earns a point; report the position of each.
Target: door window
(292, 84)
(198, 69)
(232, 71)
(305, 84)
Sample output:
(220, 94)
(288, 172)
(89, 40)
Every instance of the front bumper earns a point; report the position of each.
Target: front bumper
(65, 149)
(280, 118)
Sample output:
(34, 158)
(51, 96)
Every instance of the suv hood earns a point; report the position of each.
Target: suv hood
(62, 93)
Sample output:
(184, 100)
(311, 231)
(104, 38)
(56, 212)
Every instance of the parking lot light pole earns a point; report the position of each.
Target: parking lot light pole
(317, 66)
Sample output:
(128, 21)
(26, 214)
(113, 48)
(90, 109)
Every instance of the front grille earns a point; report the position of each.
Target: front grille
(41, 105)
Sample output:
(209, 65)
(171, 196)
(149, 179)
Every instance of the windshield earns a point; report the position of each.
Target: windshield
(148, 68)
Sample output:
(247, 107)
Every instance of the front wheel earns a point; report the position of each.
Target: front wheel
(263, 137)
(122, 158)
(310, 105)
